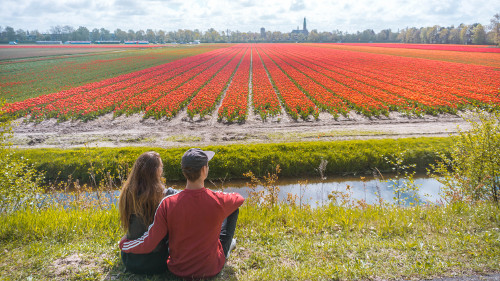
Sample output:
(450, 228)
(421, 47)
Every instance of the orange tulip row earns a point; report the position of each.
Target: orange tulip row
(206, 99)
(303, 79)
(140, 102)
(82, 101)
(407, 83)
(264, 98)
(171, 103)
(234, 104)
(296, 103)
(442, 47)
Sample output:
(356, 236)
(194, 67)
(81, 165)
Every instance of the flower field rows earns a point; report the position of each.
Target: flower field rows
(406, 50)
(235, 104)
(37, 72)
(443, 47)
(299, 79)
(265, 101)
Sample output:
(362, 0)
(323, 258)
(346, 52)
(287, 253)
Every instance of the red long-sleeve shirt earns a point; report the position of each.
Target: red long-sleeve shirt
(192, 219)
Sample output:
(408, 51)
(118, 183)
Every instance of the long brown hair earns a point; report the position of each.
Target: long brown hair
(143, 190)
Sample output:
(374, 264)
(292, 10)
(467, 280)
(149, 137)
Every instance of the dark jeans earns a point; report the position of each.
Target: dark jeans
(152, 263)
(227, 231)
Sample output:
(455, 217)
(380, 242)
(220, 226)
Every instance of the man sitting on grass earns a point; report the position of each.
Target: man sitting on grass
(200, 223)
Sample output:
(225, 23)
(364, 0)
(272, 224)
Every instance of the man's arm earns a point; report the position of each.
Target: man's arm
(232, 201)
(148, 242)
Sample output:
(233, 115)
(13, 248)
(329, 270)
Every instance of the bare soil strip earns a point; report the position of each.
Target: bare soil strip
(133, 130)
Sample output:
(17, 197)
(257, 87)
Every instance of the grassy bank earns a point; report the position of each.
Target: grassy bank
(296, 159)
(279, 243)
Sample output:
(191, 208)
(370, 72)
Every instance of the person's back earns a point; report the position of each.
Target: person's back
(139, 198)
(198, 246)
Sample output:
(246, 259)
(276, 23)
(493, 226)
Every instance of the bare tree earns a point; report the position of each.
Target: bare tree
(495, 28)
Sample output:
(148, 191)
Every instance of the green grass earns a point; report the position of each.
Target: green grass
(280, 243)
(297, 159)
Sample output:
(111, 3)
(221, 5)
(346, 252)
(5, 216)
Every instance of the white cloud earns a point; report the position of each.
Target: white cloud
(245, 15)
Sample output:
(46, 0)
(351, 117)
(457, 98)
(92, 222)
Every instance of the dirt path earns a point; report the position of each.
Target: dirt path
(107, 131)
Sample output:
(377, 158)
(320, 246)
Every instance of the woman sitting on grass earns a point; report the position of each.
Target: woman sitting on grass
(139, 198)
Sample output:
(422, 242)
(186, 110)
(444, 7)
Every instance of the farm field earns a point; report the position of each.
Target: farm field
(8, 52)
(239, 91)
(32, 71)
(439, 53)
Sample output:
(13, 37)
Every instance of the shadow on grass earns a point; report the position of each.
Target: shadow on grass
(118, 273)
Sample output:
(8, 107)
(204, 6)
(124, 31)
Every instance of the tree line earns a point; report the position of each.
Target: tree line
(462, 34)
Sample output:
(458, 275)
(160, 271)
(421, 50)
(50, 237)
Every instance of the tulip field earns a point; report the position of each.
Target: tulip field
(300, 80)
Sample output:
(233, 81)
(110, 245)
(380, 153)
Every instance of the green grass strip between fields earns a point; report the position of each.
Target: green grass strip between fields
(299, 159)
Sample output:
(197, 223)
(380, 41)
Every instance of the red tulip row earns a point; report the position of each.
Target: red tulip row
(107, 103)
(296, 103)
(324, 98)
(411, 79)
(81, 100)
(360, 102)
(235, 103)
(303, 78)
(206, 99)
(264, 98)
(171, 103)
(449, 91)
(443, 47)
(404, 100)
(140, 102)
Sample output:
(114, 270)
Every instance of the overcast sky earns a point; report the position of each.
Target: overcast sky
(244, 15)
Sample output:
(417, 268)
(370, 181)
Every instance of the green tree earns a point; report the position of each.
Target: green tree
(120, 35)
(212, 36)
(81, 34)
(424, 35)
(67, 32)
(130, 35)
(21, 35)
(443, 36)
(478, 35)
(465, 34)
(95, 35)
(454, 36)
(10, 34)
(140, 34)
(161, 36)
(367, 35)
(150, 35)
(105, 34)
(313, 36)
(412, 35)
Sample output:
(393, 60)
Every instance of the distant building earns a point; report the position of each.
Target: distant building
(49, 42)
(108, 42)
(297, 32)
(78, 42)
(262, 32)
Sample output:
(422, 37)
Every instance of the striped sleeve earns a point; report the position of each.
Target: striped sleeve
(156, 232)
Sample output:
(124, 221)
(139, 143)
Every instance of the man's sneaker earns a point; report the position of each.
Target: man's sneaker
(233, 245)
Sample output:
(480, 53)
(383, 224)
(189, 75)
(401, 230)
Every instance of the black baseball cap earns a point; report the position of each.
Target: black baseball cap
(196, 158)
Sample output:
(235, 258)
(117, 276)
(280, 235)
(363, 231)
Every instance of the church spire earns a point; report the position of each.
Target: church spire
(304, 24)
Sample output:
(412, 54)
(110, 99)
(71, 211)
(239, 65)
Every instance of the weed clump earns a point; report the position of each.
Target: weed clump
(471, 172)
(19, 180)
